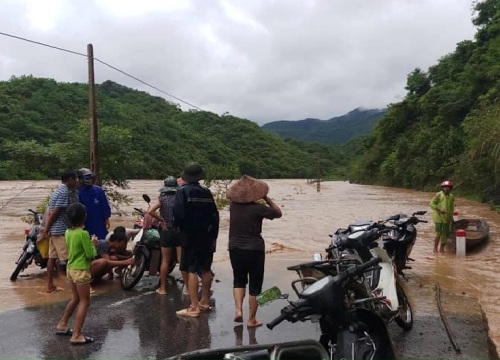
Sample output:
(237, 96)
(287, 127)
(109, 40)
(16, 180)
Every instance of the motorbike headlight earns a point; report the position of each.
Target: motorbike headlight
(31, 247)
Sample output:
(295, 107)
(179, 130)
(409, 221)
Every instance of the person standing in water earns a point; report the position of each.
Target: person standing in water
(246, 245)
(443, 209)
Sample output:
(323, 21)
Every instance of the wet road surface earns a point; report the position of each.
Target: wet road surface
(133, 327)
(142, 324)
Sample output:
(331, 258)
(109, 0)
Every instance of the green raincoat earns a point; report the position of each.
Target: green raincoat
(441, 201)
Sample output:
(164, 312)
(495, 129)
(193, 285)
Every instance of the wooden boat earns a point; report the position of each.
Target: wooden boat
(476, 230)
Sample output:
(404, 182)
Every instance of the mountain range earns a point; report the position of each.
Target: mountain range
(337, 130)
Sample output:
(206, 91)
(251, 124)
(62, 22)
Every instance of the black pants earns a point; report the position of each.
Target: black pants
(248, 268)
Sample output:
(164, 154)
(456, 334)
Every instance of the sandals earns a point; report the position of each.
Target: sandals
(204, 307)
(187, 312)
(88, 340)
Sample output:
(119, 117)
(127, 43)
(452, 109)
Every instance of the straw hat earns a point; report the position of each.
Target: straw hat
(247, 190)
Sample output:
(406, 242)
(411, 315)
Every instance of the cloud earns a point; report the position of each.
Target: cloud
(263, 60)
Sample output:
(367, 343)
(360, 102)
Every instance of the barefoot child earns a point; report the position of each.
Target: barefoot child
(81, 251)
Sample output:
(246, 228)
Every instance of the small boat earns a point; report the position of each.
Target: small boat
(476, 232)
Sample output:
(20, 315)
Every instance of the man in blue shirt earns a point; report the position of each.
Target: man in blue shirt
(96, 203)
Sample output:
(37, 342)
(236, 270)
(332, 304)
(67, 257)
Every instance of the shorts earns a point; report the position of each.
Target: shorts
(57, 248)
(79, 277)
(194, 259)
(169, 238)
(248, 267)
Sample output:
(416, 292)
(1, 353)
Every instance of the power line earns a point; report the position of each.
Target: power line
(145, 83)
(104, 63)
(42, 44)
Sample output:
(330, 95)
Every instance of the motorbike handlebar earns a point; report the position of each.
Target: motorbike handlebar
(277, 320)
(140, 211)
(359, 269)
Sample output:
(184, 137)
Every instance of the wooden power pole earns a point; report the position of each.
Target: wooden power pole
(318, 180)
(94, 139)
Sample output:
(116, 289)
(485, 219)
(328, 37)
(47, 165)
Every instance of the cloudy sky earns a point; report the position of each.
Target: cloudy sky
(264, 60)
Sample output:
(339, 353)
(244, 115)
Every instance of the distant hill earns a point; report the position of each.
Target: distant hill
(44, 130)
(337, 130)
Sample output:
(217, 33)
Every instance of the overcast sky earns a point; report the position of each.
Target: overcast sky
(263, 60)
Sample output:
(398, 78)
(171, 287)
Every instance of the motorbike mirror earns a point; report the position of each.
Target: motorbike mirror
(146, 198)
(422, 212)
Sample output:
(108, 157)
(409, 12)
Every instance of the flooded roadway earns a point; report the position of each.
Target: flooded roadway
(308, 218)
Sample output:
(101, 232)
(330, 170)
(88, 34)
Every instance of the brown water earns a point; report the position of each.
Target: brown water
(308, 218)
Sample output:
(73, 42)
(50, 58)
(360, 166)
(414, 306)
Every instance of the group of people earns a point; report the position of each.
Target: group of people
(77, 223)
(189, 225)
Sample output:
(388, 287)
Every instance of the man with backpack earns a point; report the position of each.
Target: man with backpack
(196, 215)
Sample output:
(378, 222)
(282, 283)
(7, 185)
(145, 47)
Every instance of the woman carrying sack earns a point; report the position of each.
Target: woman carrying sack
(246, 245)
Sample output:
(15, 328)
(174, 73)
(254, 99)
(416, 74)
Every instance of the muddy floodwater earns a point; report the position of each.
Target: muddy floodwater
(308, 218)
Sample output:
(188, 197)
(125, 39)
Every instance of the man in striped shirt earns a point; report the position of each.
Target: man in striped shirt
(56, 226)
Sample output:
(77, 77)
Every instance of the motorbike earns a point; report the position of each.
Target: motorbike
(301, 349)
(342, 305)
(35, 249)
(361, 246)
(145, 247)
(400, 240)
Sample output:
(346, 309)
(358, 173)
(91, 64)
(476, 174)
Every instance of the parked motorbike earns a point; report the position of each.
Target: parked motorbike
(145, 247)
(361, 246)
(400, 240)
(341, 304)
(35, 249)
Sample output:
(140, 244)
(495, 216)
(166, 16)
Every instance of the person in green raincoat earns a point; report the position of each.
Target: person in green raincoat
(443, 209)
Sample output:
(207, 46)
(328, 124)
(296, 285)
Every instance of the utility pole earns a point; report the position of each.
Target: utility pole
(318, 180)
(94, 140)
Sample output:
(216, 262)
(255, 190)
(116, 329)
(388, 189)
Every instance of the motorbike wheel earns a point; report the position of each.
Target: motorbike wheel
(405, 317)
(22, 264)
(132, 274)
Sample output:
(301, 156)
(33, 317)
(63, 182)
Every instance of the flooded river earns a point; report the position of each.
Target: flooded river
(308, 218)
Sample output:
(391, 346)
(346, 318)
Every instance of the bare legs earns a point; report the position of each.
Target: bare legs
(165, 256)
(440, 241)
(436, 243)
(252, 310)
(193, 292)
(239, 296)
(51, 264)
(80, 299)
(206, 284)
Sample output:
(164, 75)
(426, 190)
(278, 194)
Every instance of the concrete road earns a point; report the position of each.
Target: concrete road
(142, 324)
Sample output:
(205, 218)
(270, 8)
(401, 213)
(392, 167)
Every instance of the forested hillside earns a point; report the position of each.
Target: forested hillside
(448, 124)
(43, 130)
(337, 130)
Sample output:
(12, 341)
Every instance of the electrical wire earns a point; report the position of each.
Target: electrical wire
(105, 64)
